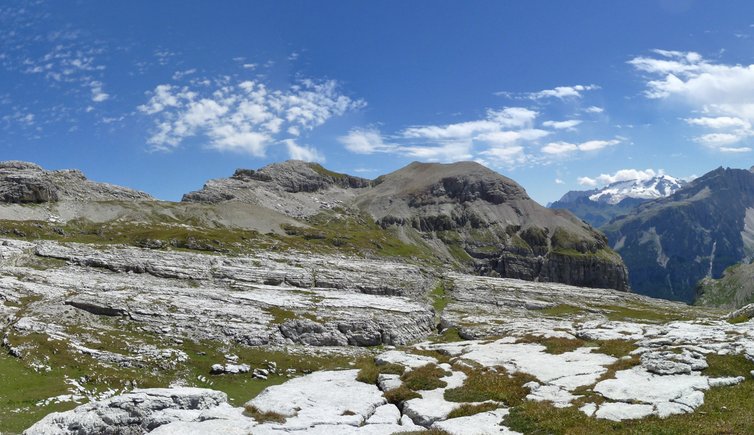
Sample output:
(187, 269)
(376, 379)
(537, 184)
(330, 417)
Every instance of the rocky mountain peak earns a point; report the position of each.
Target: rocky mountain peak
(299, 176)
(461, 181)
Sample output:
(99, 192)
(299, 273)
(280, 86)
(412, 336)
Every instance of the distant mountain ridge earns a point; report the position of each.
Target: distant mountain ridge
(600, 206)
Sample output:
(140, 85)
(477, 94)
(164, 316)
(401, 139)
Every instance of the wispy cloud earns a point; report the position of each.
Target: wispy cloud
(559, 92)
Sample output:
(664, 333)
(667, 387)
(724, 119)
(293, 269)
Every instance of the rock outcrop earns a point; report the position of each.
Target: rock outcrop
(23, 182)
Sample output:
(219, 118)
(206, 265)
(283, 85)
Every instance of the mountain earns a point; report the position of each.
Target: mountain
(669, 244)
(600, 206)
(481, 217)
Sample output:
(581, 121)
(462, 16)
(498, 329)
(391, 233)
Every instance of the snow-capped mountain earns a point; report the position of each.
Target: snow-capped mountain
(652, 188)
(599, 206)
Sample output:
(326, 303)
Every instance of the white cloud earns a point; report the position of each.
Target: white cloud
(562, 125)
(735, 150)
(560, 148)
(181, 74)
(365, 141)
(500, 134)
(595, 145)
(559, 181)
(245, 117)
(594, 109)
(503, 137)
(586, 181)
(496, 120)
(723, 93)
(719, 122)
(306, 153)
(714, 140)
(98, 94)
(448, 152)
(560, 92)
(621, 175)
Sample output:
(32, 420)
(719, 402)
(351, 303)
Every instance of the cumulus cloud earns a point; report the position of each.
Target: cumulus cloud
(245, 117)
(723, 93)
(621, 175)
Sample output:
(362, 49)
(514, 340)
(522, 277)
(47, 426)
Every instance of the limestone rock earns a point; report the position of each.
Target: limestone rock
(132, 413)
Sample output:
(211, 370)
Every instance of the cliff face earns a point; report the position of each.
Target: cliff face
(475, 215)
(672, 243)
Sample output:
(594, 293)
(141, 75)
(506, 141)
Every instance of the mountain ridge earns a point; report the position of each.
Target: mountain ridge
(461, 213)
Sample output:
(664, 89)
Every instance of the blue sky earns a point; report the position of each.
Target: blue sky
(162, 96)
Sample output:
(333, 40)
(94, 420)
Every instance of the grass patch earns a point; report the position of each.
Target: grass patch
(396, 396)
(369, 371)
(728, 365)
(738, 319)
(426, 377)
(449, 335)
(439, 297)
(616, 348)
(554, 345)
(485, 384)
(281, 315)
(21, 389)
(263, 417)
(468, 409)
